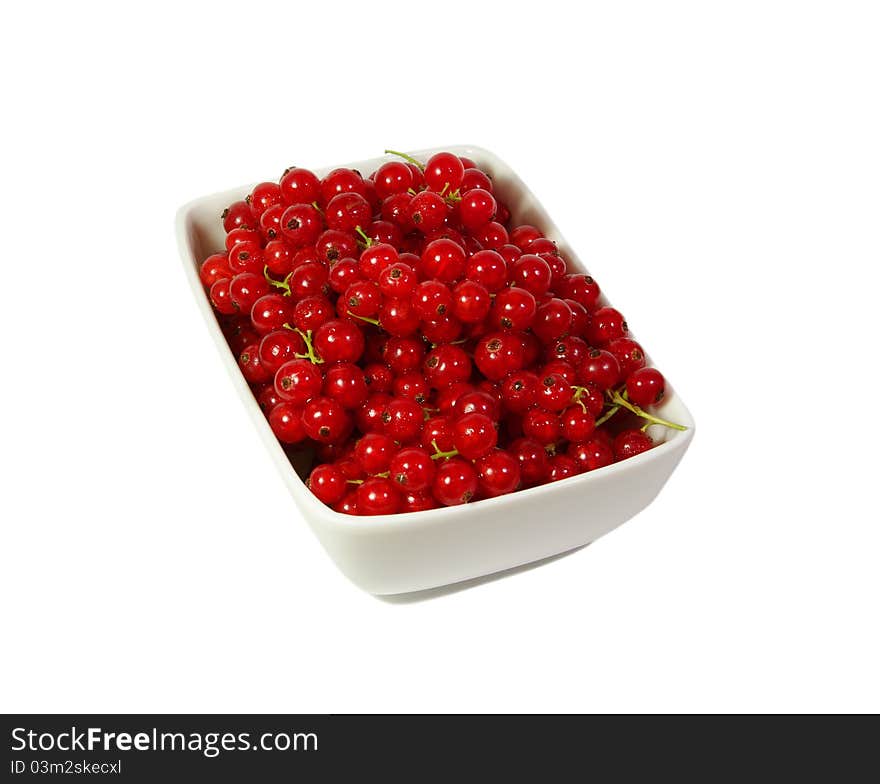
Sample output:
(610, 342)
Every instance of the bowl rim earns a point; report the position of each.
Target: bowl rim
(310, 506)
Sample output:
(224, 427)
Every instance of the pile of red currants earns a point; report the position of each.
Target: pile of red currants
(429, 352)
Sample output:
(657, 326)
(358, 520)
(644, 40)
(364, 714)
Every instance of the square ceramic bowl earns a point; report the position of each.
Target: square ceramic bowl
(410, 552)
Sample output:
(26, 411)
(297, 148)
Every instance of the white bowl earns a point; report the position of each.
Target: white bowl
(415, 551)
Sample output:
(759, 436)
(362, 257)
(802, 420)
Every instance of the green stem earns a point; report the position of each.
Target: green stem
(369, 320)
(367, 240)
(439, 454)
(281, 284)
(621, 401)
(607, 415)
(406, 158)
(310, 354)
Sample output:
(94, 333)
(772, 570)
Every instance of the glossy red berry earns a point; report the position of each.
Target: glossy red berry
(533, 460)
(645, 387)
(298, 381)
(328, 483)
(444, 172)
(498, 354)
(403, 419)
(339, 341)
(286, 422)
(374, 452)
(592, 454)
(514, 308)
(474, 435)
(455, 482)
(600, 368)
(325, 420)
(471, 302)
(498, 473)
(477, 208)
(413, 469)
(378, 496)
(446, 365)
(630, 443)
(299, 186)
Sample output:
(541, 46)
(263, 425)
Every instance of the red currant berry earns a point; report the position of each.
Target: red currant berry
(403, 420)
(263, 196)
(455, 482)
(301, 224)
(325, 420)
(214, 268)
(479, 402)
(437, 430)
(552, 320)
(646, 387)
(299, 186)
(498, 354)
(271, 312)
(554, 393)
(519, 391)
(491, 236)
(561, 467)
(333, 245)
(311, 312)
(369, 416)
(279, 347)
(532, 459)
(432, 299)
(238, 215)
(514, 308)
(393, 177)
(327, 483)
(474, 435)
(220, 297)
(600, 368)
(246, 288)
(498, 473)
(577, 423)
(251, 367)
(344, 382)
(339, 341)
(286, 421)
(591, 454)
(629, 355)
(476, 208)
(444, 260)
(581, 288)
(607, 325)
(489, 269)
(412, 469)
(298, 381)
(403, 354)
(374, 452)
(398, 280)
(532, 273)
(347, 211)
(398, 317)
(343, 273)
(378, 496)
(541, 425)
(471, 302)
(348, 504)
(445, 365)
(341, 181)
(246, 257)
(444, 172)
(427, 211)
(629, 443)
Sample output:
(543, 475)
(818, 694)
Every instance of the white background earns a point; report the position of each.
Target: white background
(717, 166)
